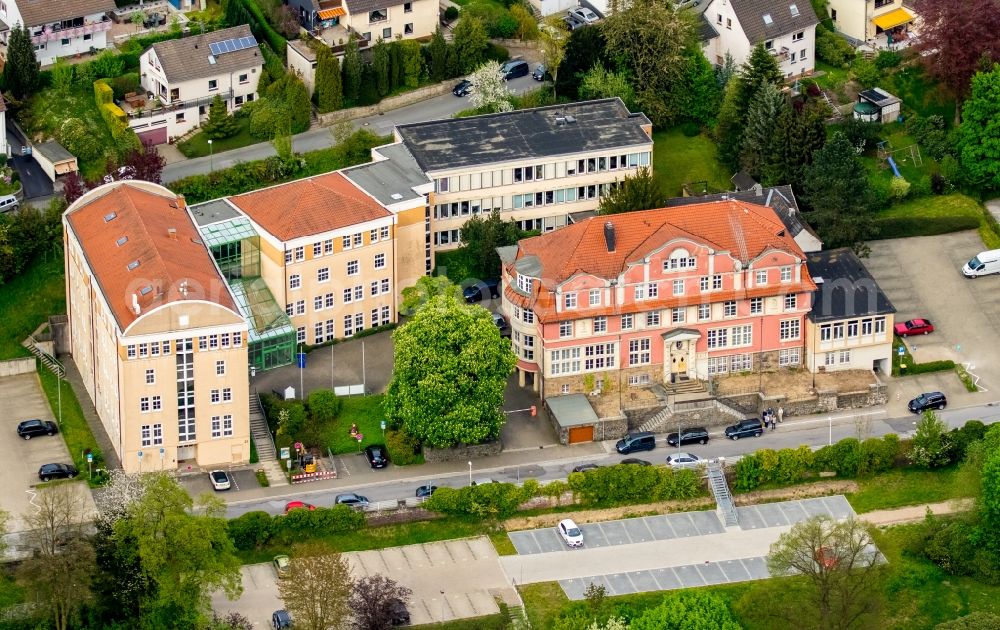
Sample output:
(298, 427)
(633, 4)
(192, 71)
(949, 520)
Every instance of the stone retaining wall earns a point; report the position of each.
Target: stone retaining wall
(387, 104)
(13, 367)
(462, 453)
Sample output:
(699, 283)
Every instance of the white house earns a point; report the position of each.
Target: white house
(786, 27)
(59, 29)
(878, 22)
(185, 74)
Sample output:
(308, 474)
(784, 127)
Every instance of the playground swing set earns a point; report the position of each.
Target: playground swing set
(888, 156)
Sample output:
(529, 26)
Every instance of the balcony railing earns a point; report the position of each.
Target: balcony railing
(151, 112)
(55, 31)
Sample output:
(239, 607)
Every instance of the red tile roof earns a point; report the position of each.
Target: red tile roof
(128, 224)
(309, 206)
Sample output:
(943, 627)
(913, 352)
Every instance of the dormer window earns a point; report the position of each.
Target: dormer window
(680, 259)
(525, 284)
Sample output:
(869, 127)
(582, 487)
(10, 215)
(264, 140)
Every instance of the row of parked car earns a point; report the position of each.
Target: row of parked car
(46, 472)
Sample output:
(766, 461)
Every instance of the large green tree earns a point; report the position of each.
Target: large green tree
(584, 48)
(640, 191)
(760, 68)
(451, 368)
(426, 288)
(762, 116)
(353, 69)
(329, 86)
(382, 66)
(838, 560)
(979, 135)
(480, 239)
(437, 53)
(220, 124)
(838, 193)
(470, 43)
(20, 71)
(317, 588)
(799, 131)
(598, 82)
(687, 610)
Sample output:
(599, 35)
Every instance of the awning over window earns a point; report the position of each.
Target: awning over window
(329, 14)
(892, 19)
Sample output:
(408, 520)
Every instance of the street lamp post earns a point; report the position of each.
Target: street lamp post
(211, 160)
(300, 360)
(470, 473)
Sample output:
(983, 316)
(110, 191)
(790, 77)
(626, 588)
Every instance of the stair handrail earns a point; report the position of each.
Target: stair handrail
(43, 355)
(270, 437)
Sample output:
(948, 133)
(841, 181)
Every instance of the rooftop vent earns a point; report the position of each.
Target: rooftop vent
(172, 233)
(110, 216)
(396, 196)
(196, 241)
(560, 120)
(132, 265)
(781, 234)
(609, 235)
(135, 304)
(818, 279)
(122, 241)
(211, 60)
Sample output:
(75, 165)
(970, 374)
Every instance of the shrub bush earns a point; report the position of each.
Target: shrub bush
(324, 406)
(833, 49)
(844, 457)
(252, 530)
(451, 13)
(403, 448)
(901, 227)
(878, 455)
(931, 135)
(302, 524)
(899, 188)
(749, 471)
(888, 59)
(624, 484)
(125, 84)
(960, 439)
(483, 501)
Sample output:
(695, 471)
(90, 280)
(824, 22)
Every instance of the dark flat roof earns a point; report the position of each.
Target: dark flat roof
(844, 287)
(528, 133)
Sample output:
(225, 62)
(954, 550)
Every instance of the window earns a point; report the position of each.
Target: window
(220, 368)
(300, 254)
(786, 274)
(594, 297)
(524, 283)
(529, 316)
(838, 330)
(879, 325)
(740, 363)
(788, 357)
(227, 426)
(374, 289)
(729, 308)
(716, 283)
(742, 335)
(348, 325)
(788, 329)
(718, 365)
(202, 343)
(729, 23)
(678, 315)
(352, 268)
(348, 295)
(844, 356)
(387, 33)
(359, 293)
(294, 281)
(563, 389)
(756, 306)
(379, 261)
(638, 351)
(791, 303)
(640, 292)
(761, 276)
(383, 232)
(829, 358)
(599, 357)
(718, 18)
(216, 426)
(146, 432)
(679, 261)
(150, 377)
(565, 329)
(866, 326)
(769, 44)
(379, 15)
(600, 324)
(528, 352)
(300, 307)
(238, 101)
(385, 285)
(300, 334)
(678, 287)
(408, 29)
(652, 319)
(802, 54)
(825, 332)
(227, 394)
(569, 300)
(318, 303)
(130, 351)
(157, 434)
(852, 328)
(653, 290)
(717, 338)
(214, 397)
(407, 7)
(323, 275)
(179, 118)
(797, 37)
(213, 84)
(703, 283)
(144, 404)
(564, 361)
(288, 256)
(704, 311)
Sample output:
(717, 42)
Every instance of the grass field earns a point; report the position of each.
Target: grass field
(678, 159)
(197, 145)
(927, 216)
(50, 108)
(366, 412)
(27, 300)
(73, 426)
(905, 159)
(903, 487)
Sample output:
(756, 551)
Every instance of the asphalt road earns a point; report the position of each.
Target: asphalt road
(320, 138)
(793, 433)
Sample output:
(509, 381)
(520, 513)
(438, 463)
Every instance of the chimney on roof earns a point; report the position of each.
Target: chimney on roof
(135, 304)
(609, 235)
(172, 233)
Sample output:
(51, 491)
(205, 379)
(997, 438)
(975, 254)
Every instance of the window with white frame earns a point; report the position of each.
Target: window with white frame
(653, 290)
(374, 287)
(838, 330)
(830, 358)
(300, 334)
(300, 253)
(756, 306)
(599, 356)
(761, 276)
(379, 261)
(358, 239)
(288, 256)
(786, 274)
(717, 338)
(564, 389)
(345, 242)
(352, 267)
(678, 287)
(569, 300)
(144, 404)
(227, 394)
(318, 303)
(227, 426)
(565, 329)
(600, 324)
(879, 325)
(348, 325)
(294, 281)
(718, 365)
(383, 232)
(627, 321)
(716, 282)
(216, 426)
(359, 293)
(564, 361)
(638, 379)
(214, 397)
(729, 308)
(528, 316)
(791, 301)
(220, 368)
(866, 327)
(638, 351)
(150, 377)
(594, 297)
(130, 351)
(640, 291)
(788, 329)
(385, 285)
(788, 357)
(157, 403)
(844, 356)
(524, 283)
(742, 335)
(852, 328)
(678, 315)
(146, 432)
(157, 434)
(740, 363)
(317, 250)
(143, 350)
(652, 319)
(680, 260)
(323, 275)
(289, 309)
(703, 283)
(528, 349)
(704, 312)
(825, 332)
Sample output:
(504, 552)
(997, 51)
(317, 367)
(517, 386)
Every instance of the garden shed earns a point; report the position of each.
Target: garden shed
(877, 105)
(54, 159)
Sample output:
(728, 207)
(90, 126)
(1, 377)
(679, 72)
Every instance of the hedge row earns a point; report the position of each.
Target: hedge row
(255, 529)
(483, 501)
(624, 484)
(904, 227)
(125, 139)
(848, 458)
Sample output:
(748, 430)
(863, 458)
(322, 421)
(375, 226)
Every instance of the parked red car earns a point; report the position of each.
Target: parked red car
(914, 327)
(295, 505)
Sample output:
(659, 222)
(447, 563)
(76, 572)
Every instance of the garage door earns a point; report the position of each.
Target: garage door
(581, 434)
(154, 136)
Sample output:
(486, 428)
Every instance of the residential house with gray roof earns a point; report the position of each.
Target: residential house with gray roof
(183, 76)
(787, 28)
(335, 21)
(58, 29)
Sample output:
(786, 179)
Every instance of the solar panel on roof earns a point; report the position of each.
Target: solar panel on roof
(232, 45)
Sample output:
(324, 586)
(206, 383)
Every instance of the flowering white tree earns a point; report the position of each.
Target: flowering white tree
(114, 500)
(489, 88)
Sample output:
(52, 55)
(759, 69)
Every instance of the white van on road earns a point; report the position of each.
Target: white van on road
(982, 264)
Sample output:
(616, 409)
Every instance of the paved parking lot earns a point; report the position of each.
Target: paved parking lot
(670, 578)
(923, 278)
(198, 484)
(450, 580)
(22, 399)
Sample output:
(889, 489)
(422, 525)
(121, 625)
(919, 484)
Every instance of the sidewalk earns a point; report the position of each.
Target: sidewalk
(90, 413)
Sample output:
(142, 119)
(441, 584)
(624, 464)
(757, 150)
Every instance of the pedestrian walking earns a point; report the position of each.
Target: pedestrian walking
(781, 414)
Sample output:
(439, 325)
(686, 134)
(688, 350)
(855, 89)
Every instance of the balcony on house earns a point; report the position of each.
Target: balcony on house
(69, 29)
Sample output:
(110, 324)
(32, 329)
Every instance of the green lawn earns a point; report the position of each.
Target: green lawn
(366, 412)
(926, 216)
(197, 145)
(678, 159)
(833, 78)
(27, 300)
(911, 85)
(907, 487)
(905, 160)
(74, 427)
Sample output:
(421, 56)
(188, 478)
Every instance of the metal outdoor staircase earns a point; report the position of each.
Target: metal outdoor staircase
(261, 434)
(720, 489)
(47, 360)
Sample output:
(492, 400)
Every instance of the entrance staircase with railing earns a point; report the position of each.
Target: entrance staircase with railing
(720, 490)
(267, 455)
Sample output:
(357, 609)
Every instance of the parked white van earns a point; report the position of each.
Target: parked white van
(982, 264)
(8, 203)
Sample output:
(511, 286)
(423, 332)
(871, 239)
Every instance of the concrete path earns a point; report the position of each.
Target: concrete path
(90, 414)
(916, 513)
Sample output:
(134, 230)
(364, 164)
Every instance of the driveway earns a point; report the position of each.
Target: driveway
(34, 180)
(22, 398)
(923, 278)
(450, 580)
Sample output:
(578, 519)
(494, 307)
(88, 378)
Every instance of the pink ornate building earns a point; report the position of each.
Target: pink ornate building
(664, 295)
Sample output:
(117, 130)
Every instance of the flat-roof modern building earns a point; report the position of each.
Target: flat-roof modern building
(535, 165)
(155, 331)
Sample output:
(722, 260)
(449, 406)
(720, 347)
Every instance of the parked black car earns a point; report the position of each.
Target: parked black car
(425, 491)
(463, 88)
(635, 461)
(745, 428)
(515, 69)
(502, 325)
(693, 435)
(377, 457)
(33, 428)
(56, 471)
(541, 73)
(395, 609)
(477, 291)
(582, 468)
(927, 400)
(281, 619)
